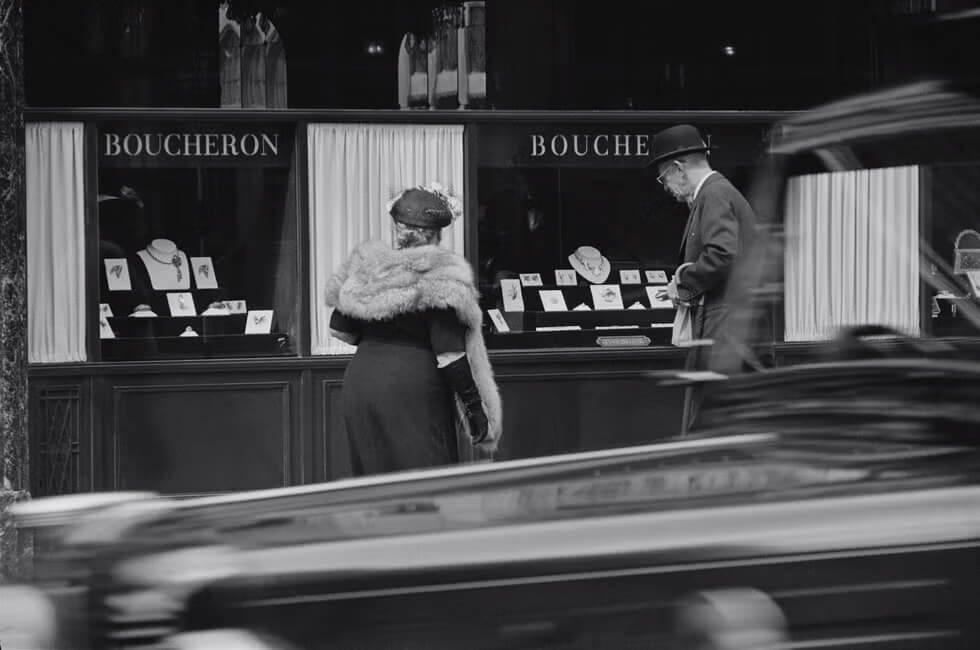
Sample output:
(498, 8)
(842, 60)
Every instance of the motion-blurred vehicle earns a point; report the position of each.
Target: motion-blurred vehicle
(830, 501)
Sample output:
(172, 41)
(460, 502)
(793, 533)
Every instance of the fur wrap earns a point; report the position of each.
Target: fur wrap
(378, 282)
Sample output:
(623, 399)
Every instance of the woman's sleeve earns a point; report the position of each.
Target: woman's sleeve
(446, 333)
(346, 328)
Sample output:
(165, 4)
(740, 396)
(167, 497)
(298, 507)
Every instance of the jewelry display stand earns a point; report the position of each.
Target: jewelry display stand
(628, 314)
(166, 265)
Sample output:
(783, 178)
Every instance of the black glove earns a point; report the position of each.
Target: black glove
(459, 376)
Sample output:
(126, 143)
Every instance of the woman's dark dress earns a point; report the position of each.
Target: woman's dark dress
(397, 406)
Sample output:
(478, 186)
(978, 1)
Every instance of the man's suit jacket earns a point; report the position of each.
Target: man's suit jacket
(721, 225)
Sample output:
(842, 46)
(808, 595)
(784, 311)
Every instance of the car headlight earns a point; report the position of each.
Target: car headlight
(27, 619)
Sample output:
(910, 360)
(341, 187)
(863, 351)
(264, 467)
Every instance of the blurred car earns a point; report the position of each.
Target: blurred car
(831, 501)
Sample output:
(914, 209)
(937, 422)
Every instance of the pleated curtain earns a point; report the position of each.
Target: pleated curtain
(852, 252)
(354, 171)
(55, 182)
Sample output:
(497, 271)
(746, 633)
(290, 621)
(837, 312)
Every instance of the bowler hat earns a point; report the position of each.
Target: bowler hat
(676, 141)
(418, 207)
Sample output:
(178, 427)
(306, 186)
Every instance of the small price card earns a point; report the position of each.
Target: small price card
(630, 276)
(531, 279)
(565, 277)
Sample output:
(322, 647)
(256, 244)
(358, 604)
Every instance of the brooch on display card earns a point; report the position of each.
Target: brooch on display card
(105, 332)
(511, 292)
(565, 277)
(630, 276)
(606, 296)
(117, 274)
(531, 279)
(258, 321)
(658, 298)
(656, 277)
(105, 311)
(181, 304)
(204, 276)
(552, 300)
(498, 320)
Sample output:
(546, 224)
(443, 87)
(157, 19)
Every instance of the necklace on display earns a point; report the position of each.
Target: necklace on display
(174, 261)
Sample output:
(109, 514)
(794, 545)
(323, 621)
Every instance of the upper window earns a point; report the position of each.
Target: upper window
(197, 240)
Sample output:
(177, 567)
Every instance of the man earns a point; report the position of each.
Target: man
(720, 226)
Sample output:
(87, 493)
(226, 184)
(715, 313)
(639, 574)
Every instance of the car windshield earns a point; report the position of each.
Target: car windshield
(871, 213)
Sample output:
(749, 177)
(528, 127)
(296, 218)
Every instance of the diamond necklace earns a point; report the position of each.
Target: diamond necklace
(174, 261)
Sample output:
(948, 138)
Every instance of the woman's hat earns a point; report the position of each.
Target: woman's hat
(421, 208)
(590, 264)
(676, 141)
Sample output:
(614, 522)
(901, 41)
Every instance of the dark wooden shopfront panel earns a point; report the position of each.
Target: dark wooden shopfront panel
(202, 434)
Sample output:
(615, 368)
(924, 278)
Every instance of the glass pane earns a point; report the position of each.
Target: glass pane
(197, 227)
(876, 228)
(552, 198)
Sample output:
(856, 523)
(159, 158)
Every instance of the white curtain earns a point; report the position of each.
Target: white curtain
(355, 169)
(852, 252)
(55, 242)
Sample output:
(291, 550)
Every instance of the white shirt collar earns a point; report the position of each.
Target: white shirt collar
(698, 188)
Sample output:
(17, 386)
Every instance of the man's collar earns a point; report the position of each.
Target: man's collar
(700, 184)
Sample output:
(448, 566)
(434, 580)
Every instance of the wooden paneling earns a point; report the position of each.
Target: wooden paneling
(217, 426)
(201, 436)
(59, 420)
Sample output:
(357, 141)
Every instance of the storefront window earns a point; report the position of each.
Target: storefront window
(197, 240)
(882, 231)
(577, 240)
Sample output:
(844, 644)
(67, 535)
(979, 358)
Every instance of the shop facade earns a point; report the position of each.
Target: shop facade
(178, 339)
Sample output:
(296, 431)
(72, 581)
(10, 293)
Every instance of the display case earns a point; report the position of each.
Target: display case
(198, 246)
(577, 240)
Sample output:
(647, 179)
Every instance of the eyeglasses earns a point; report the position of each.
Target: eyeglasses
(662, 178)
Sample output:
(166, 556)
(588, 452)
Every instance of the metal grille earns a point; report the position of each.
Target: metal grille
(57, 466)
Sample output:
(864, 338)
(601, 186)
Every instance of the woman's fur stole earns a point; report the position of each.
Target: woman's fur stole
(378, 282)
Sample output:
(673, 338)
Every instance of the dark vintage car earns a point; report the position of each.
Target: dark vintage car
(829, 500)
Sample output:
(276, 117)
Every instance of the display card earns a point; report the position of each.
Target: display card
(258, 321)
(606, 296)
(658, 298)
(513, 298)
(204, 276)
(117, 274)
(553, 300)
(629, 276)
(531, 279)
(566, 277)
(181, 304)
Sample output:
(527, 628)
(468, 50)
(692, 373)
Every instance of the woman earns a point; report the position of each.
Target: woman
(412, 311)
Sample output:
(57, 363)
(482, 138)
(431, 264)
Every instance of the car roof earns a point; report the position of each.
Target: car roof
(924, 105)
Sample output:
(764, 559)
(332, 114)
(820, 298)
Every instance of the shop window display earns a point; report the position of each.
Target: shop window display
(577, 240)
(197, 240)
(909, 257)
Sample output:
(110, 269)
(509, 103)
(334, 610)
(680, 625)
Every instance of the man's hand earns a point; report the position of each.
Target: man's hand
(671, 292)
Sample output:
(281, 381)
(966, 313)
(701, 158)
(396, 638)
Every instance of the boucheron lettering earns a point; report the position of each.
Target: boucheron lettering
(579, 145)
(191, 145)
